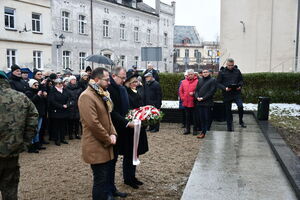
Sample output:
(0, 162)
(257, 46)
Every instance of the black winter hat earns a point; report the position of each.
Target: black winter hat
(88, 68)
(53, 76)
(36, 71)
(14, 67)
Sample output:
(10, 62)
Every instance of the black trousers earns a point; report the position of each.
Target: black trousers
(190, 116)
(204, 112)
(73, 127)
(102, 180)
(59, 129)
(9, 178)
(128, 168)
(228, 111)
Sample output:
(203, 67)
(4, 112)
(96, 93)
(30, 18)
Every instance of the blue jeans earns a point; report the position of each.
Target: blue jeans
(36, 138)
(102, 180)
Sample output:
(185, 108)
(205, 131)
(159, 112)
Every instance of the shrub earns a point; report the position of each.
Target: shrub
(280, 87)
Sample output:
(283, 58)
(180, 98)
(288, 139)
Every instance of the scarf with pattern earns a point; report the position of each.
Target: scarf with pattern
(104, 94)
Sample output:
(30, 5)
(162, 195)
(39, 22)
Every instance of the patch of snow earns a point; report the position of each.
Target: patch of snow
(280, 109)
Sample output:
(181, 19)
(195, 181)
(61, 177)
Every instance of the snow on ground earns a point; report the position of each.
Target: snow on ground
(281, 109)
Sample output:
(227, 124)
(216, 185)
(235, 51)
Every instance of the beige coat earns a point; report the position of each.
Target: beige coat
(97, 127)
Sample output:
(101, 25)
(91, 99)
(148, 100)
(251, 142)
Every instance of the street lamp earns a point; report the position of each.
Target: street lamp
(62, 40)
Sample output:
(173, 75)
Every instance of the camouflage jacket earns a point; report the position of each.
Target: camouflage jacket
(18, 121)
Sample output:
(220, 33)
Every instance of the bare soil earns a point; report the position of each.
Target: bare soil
(289, 129)
(60, 173)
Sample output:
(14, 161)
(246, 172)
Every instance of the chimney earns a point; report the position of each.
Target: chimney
(157, 7)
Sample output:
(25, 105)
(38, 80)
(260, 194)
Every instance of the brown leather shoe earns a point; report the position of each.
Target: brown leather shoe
(201, 136)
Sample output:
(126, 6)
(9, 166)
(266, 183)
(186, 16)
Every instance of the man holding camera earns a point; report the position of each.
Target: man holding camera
(230, 80)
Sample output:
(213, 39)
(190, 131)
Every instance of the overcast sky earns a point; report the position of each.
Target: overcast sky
(204, 14)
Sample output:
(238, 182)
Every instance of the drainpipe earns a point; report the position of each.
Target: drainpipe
(297, 38)
(92, 31)
(271, 36)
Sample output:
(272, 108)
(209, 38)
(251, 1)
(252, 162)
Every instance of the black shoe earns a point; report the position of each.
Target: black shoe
(32, 149)
(230, 129)
(39, 146)
(120, 194)
(77, 137)
(132, 184)
(109, 197)
(243, 125)
(44, 142)
(186, 132)
(153, 131)
(70, 137)
(136, 181)
(64, 142)
(57, 143)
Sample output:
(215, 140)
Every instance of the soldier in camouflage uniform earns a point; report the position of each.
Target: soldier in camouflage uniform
(18, 122)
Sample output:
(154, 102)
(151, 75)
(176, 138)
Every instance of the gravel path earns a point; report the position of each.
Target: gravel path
(59, 172)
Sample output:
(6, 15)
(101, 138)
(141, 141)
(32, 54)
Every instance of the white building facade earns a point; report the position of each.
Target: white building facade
(25, 34)
(260, 35)
(114, 28)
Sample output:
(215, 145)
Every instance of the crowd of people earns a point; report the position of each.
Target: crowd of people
(96, 103)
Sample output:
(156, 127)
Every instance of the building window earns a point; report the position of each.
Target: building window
(210, 53)
(82, 56)
(105, 28)
(177, 53)
(65, 19)
(9, 17)
(122, 61)
(196, 53)
(107, 55)
(36, 22)
(136, 34)
(149, 21)
(136, 60)
(37, 60)
(166, 39)
(148, 36)
(106, 10)
(66, 59)
(11, 57)
(81, 24)
(122, 31)
(187, 53)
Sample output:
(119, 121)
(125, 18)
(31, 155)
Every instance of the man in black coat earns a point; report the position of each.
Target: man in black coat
(119, 97)
(230, 80)
(150, 69)
(152, 96)
(16, 82)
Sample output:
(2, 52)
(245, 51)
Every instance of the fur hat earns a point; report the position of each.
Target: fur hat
(82, 74)
(72, 77)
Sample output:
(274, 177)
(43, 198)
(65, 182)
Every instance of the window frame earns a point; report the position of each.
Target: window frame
(37, 59)
(66, 59)
(105, 28)
(9, 16)
(65, 21)
(165, 39)
(36, 21)
(10, 62)
(148, 35)
(186, 53)
(82, 62)
(122, 31)
(136, 34)
(82, 25)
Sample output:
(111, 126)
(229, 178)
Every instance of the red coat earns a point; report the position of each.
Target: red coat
(186, 87)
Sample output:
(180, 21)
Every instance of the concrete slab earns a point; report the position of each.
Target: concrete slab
(237, 165)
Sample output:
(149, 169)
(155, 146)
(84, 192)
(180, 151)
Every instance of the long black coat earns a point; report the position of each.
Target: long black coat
(126, 143)
(74, 93)
(39, 101)
(206, 89)
(56, 100)
(17, 83)
(228, 77)
(152, 94)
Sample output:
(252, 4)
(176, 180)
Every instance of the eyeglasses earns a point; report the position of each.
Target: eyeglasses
(107, 80)
(123, 78)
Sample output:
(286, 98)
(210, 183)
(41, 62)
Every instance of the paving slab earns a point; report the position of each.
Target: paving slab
(237, 165)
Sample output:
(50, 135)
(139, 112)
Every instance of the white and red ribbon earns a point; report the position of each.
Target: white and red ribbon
(136, 138)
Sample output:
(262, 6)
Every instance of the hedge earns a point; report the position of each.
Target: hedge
(280, 87)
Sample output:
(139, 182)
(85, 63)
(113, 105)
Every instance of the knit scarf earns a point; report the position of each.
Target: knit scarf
(104, 94)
